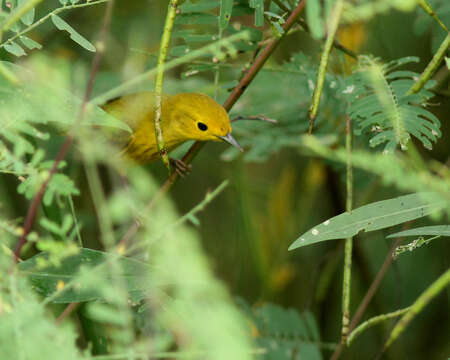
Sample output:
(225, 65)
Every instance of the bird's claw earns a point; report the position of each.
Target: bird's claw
(180, 167)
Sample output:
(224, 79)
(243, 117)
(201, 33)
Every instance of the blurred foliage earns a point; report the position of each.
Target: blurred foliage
(165, 292)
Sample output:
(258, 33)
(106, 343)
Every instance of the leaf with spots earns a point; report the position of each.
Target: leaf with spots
(374, 216)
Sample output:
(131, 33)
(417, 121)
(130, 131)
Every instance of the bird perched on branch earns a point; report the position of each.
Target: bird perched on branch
(184, 116)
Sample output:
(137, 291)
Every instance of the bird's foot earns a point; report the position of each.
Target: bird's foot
(180, 167)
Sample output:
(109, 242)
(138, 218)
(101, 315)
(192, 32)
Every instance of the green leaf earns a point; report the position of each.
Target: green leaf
(285, 333)
(192, 38)
(30, 43)
(226, 8)
(179, 50)
(14, 49)
(374, 216)
(46, 279)
(60, 184)
(198, 19)
(199, 7)
(74, 35)
(381, 104)
(313, 16)
(28, 18)
(441, 230)
(258, 5)
(29, 331)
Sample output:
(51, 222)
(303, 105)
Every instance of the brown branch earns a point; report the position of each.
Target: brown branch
(67, 311)
(33, 209)
(368, 297)
(229, 102)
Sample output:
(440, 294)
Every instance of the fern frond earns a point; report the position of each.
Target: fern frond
(381, 104)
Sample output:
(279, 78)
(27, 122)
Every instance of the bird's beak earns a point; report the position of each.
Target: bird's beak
(231, 140)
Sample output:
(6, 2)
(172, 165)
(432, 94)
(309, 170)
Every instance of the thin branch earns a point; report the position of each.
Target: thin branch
(165, 41)
(261, 59)
(122, 246)
(332, 29)
(32, 210)
(432, 66)
(8, 75)
(429, 10)
(67, 311)
(374, 321)
(346, 283)
(432, 291)
(255, 117)
(231, 100)
(48, 16)
(369, 296)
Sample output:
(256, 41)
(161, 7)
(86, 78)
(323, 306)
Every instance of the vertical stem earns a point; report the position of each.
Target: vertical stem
(423, 300)
(75, 221)
(332, 29)
(348, 242)
(369, 295)
(228, 104)
(9, 75)
(217, 73)
(165, 40)
(100, 205)
(432, 66)
(429, 10)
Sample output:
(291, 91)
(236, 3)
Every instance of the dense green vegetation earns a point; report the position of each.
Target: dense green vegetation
(326, 238)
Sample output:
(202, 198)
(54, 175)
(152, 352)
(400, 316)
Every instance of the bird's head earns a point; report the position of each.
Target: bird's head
(198, 117)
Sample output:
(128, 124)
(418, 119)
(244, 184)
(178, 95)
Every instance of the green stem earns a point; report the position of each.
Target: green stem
(48, 16)
(165, 41)
(332, 29)
(374, 321)
(429, 10)
(432, 66)
(231, 100)
(75, 221)
(98, 197)
(423, 300)
(346, 283)
(217, 73)
(8, 75)
(17, 14)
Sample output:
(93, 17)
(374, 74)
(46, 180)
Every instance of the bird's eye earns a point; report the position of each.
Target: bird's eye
(202, 126)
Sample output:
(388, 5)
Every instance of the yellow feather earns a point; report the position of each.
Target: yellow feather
(185, 116)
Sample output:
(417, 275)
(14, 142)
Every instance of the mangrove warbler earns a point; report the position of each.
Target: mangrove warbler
(185, 116)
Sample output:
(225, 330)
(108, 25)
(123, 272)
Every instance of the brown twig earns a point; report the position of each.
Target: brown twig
(368, 297)
(67, 311)
(231, 100)
(255, 117)
(33, 209)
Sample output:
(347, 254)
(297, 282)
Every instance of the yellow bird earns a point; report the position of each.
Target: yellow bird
(184, 116)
